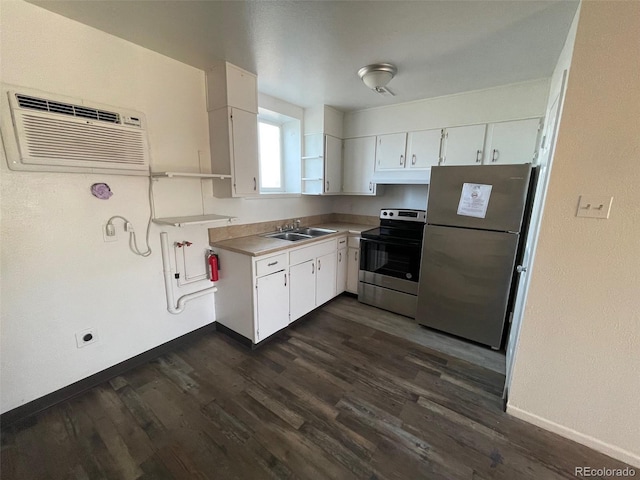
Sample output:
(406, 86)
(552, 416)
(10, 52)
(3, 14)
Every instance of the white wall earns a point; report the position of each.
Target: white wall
(577, 369)
(58, 276)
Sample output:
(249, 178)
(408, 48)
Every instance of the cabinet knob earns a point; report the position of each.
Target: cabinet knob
(285, 279)
(340, 256)
(413, 159)
(313, 268)
(327, 185)
(494, 155)
(319, 265)
(371, 186)
(255, 184)
(401, 159)
(478, 156)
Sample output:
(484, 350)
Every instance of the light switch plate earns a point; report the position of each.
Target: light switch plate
(594, 207)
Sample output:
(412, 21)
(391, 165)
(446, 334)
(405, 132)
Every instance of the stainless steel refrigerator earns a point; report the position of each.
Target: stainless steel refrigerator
(472, 240)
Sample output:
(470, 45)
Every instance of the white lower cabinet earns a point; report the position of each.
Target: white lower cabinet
(303, 289)
(326, 277)
(253, 294)
(353, 268)
(313, 277)
(272, 304)
(341, 271)
(258, 296)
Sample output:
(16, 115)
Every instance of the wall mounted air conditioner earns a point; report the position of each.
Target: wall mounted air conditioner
(46, 132)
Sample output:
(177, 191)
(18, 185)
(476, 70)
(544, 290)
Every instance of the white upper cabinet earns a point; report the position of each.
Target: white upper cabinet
(463, 145)
(423, 148)
(358, 166)
(246, 167)
(512, 142)
(232, 102)
(231, 86)
(332, 164)
(322, 159)
(391, 151)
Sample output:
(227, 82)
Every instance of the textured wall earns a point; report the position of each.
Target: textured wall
(58, 275)
(577, 368)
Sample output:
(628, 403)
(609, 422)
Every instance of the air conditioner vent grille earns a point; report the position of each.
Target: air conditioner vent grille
(88, 143)
(35, 103)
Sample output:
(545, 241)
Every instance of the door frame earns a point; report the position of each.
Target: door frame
(531, 242)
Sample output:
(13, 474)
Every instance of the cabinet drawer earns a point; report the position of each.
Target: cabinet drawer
(354, 242)
(342, 242)
(271, 264)
(311, 252)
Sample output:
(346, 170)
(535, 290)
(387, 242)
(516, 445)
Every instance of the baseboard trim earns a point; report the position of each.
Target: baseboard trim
(603, 447)
(27, 410)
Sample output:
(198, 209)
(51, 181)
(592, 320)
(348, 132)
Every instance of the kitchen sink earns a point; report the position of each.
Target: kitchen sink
(300, 234)
(314, 232)
(291, 236)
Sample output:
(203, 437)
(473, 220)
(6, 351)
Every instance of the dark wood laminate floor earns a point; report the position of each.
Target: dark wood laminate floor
(330, 398)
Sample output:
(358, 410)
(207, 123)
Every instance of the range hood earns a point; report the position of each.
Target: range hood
(402, 177)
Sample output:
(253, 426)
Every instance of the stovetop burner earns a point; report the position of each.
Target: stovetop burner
(398, 226)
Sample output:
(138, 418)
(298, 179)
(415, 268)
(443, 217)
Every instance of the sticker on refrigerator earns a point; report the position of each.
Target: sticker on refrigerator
(474, 200)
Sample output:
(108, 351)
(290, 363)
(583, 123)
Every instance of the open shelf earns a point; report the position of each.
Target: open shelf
(192, 220)
(192, 175)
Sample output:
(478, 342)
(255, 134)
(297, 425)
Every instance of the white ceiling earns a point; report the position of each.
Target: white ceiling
(309, 52)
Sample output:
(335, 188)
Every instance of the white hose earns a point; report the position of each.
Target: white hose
(168, 287)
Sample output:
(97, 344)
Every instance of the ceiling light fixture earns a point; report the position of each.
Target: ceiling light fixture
(377, 75)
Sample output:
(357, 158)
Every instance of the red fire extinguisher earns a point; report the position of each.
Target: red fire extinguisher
(213, 265)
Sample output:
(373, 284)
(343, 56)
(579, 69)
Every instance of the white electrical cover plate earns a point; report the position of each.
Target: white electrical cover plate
(594, 206)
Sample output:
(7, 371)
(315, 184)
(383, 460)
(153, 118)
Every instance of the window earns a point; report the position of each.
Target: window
(271, 161)
(279, 151)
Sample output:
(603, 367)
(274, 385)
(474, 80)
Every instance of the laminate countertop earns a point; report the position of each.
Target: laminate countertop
(256, 245)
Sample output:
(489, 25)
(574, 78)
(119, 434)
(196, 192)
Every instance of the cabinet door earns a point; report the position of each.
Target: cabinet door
(332, 164)
(341, 273)
(390, 151)
(358, 165)
(272, 293)
(244, 134)
(302, 290)
(353, 268)
(512, 142)
(423, 148)
(464, 145)
(326, 278)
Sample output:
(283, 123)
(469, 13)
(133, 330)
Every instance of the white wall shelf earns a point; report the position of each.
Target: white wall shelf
(193, 220)
(192, 175)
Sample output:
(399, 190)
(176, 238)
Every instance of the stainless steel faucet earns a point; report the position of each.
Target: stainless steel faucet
(297, 222)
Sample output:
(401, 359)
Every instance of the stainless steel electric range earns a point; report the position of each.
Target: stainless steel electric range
(390, 261)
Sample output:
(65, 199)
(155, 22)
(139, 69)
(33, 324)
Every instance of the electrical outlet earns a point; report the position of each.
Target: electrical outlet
(594, 207)
(86, 337)
(109, 233)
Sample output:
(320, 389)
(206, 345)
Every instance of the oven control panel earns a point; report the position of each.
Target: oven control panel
(403, 215)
